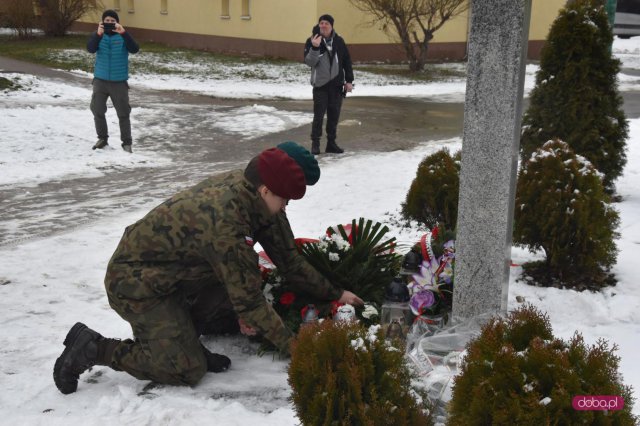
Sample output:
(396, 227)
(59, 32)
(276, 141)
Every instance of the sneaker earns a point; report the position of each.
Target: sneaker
(315, 147)
(100, 144)
(333, 148)
(127, 148)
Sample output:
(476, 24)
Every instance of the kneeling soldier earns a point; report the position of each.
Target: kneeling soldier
(189, 268)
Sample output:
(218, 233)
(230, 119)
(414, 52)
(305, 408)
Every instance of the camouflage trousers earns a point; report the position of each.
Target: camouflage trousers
(167, 347)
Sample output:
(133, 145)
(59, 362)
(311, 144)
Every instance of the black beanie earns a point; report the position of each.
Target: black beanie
(115, 16)
(327, 18)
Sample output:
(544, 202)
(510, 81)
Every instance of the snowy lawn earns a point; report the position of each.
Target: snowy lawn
(47, 284)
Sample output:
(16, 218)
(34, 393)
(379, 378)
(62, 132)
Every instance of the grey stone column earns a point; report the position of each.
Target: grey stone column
(492, 117)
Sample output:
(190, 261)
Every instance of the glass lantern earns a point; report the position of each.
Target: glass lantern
(309, 314)
(396, 316)
(411, 263)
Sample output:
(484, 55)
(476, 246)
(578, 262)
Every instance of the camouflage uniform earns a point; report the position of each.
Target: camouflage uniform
(190, 263)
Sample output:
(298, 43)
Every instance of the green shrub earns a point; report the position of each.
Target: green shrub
(516, 364)
(576, 97)
(342, 374)
(433, 195)
(562, 208)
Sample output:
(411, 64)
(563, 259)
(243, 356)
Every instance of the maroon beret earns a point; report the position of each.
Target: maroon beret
(281, 174)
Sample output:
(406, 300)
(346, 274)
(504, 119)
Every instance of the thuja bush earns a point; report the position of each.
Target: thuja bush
(562, 208)
(433, 195)
(343, 374)
(516, 372)
(576, 96)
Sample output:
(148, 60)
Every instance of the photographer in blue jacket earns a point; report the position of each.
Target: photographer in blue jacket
(112, 44)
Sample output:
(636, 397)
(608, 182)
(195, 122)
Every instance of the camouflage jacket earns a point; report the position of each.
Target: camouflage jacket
(206, 233)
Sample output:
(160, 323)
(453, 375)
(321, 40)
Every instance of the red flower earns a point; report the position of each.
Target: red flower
(334, 307)
(287, 298)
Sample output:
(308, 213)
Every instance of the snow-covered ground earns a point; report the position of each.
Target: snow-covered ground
(48, 283)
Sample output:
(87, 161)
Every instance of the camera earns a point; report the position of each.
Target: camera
(316, 30)
(109, 26)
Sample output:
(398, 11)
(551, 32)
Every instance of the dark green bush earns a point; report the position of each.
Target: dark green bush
(433, 195)
(342, 374)
(576, 97)
(562, 208)
(516, 363)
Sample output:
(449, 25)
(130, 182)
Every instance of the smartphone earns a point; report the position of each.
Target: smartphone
(111, 26)
(316, 30)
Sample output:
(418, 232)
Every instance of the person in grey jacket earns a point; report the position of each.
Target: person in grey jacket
(331, 77)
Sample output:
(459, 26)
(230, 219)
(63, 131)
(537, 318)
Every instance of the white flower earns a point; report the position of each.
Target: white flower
(358, 344)
(341, 243)
(334, 257)
(369, 311)
(372, 333)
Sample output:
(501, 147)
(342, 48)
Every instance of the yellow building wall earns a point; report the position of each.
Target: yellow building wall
(543, 13)
(291, 20)
(268, 20)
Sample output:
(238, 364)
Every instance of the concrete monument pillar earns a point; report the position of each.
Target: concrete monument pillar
(492, 117)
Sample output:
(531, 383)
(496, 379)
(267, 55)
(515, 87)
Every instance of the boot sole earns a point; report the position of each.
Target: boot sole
(71, 337)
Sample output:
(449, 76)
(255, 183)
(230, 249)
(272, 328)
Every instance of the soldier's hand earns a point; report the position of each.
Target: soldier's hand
(350, 298)
(246, 329)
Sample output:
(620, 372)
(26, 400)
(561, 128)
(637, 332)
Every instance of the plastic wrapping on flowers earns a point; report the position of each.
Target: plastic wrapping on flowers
(436, 357)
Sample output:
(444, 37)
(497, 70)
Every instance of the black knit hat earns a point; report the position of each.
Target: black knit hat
(114, 15)
(327, 18)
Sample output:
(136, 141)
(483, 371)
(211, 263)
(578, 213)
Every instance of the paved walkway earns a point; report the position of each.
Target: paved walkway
(367, 124)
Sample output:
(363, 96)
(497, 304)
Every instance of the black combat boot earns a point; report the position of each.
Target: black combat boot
(333, 148)
(216, 363)
(315, 147)
(84, 349)
(100, 144)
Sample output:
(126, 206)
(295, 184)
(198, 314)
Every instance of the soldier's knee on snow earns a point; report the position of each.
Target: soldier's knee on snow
(185, 376)
(193, 376)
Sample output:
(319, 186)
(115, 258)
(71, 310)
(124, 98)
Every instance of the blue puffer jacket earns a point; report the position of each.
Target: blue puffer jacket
(112, 55)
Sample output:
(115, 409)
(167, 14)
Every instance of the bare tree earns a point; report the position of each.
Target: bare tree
(58, 15)
(18, 15)
(413, 22)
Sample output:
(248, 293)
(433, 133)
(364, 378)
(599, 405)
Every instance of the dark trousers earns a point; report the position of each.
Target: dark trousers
(118, 91)
(326, 99)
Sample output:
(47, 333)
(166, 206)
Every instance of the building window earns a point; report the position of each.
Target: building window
(131, 7)
(116, 5)
(246, 12)
(164, 7)
(224, 11)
